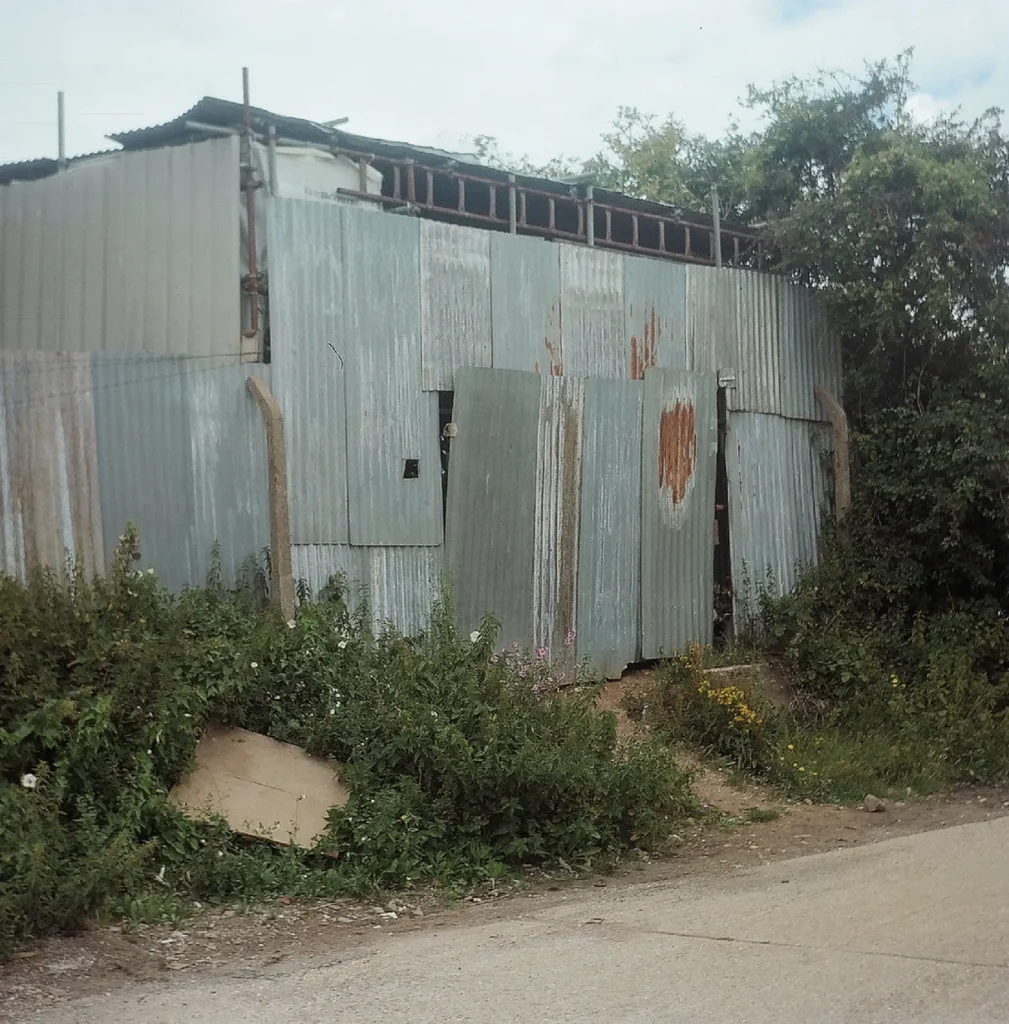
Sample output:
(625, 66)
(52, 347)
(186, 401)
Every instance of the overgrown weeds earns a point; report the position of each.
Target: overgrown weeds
(462, 765)
(950, 727)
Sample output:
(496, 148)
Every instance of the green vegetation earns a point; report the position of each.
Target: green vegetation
(463, 765)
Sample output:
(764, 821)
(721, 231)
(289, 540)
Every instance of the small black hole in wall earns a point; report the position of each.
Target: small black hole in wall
(411, 469)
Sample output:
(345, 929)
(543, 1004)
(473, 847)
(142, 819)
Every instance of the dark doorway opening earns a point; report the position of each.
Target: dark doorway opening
(723, 560)
(446, 431)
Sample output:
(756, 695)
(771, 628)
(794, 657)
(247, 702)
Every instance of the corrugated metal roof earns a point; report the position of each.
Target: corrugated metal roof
(43, 167)
(592, 308)
(609, 563)
(557, 512)
(390, 420)
(227, 114)
(489, 533)
(777, 495)
(136, 254)
(455, 303)
(309, 350)
(677, 510)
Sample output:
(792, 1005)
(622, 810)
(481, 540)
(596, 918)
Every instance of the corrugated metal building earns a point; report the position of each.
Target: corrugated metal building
(535, 419)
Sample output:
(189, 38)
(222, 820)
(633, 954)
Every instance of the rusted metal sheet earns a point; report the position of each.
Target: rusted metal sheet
(557, 513)
(391, 423)
(710, 319)
(181, 455)
(525, 304)
(132, 252)
(778, 491)
(609, 564)
(679, 443)
(310, 348)
(655, 296)
(49, 489)
(455, 302)
(489, 533)
(593, 342)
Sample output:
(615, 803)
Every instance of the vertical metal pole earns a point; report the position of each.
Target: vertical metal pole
(61, 131)
(590, 216)
(512, 214)
(716, 222)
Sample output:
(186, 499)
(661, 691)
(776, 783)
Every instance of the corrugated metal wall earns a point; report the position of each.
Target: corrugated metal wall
(609, 561)
(678, 450)
(490, 541)
(136, 252)
(372, 314)
(557, 512)
(778, 475)
(49, 492)
(91, 442)
(310, 350)
(400, 585)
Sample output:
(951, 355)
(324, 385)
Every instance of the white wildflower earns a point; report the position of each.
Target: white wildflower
(254, 664)
(474, 637)
(150, 572)
(29, 781)
(342, 645)
(434, 714)
(291, 623)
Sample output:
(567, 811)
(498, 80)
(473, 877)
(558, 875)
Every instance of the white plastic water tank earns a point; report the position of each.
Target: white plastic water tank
(306, 173)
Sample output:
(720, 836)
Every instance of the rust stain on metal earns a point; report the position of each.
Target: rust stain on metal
(677, 449)
(643, 354)
(555, 349)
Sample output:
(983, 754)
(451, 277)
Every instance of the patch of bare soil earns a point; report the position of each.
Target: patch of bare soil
(230, 944)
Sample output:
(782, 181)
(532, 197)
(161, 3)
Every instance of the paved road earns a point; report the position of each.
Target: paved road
(914, 929)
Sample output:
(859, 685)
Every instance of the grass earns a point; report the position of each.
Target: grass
(761, 814)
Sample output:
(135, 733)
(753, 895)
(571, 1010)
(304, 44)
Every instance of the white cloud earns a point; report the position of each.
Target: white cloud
(545, 76)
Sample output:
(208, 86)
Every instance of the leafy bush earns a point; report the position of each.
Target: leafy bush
(730, 721)
(462, 764)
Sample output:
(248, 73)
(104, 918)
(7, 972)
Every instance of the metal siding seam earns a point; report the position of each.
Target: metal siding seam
(609, 559)
(556, 514)
(455, 303)
(592, 313)
(389, 418)
(491, 500)
(679, 443)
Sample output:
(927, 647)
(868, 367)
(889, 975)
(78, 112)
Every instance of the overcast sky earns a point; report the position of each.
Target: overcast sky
(544, 76)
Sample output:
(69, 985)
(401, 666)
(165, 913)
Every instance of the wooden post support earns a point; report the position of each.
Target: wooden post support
(842, 471)
(281, 574)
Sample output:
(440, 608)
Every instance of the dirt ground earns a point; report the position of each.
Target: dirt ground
(231, 944)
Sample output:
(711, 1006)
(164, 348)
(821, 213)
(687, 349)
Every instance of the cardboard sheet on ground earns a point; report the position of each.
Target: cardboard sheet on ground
(262, 788)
